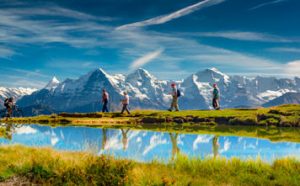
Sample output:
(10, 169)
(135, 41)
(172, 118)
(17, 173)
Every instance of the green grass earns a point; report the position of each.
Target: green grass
(46, 166)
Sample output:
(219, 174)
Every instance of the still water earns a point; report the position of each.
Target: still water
(145, 146)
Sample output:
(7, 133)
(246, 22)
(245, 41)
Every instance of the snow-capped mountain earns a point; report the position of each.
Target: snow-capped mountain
(16, 93)
(52, 84)
(148, 92)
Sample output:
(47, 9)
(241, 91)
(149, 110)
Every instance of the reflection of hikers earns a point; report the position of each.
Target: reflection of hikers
(175, 95)
(175, 148)
(105, 98)
(125, 103)
(125, 138)
(216, 97)
(104, 138)
(8, 131)
(9, 103)
(216, 145)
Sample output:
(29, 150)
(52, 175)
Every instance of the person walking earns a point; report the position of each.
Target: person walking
(175, 94)
(9, 104)
(216, 97)
(105, 99)
(125, 103)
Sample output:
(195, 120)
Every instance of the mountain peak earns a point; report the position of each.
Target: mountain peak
(141, 73)
(101, 70)
(52, 83)
(215, 70)
(212, 75)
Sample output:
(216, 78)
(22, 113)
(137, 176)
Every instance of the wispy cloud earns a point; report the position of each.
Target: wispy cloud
(15, 77)
(12, 81)
(174, 15)
(266, 4)
(6, 52)
(248, 36)
(145, 59)
(46, 24)
(284, 49)
(183, 49)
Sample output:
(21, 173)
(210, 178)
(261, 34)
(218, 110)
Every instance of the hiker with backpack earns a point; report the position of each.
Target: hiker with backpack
(216, 97)
(9, 104)
(175, 95)
(105, 99)
(125, 103)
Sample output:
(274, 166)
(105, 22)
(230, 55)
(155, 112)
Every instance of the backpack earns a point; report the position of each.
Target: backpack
(6, 102)
(178, 93)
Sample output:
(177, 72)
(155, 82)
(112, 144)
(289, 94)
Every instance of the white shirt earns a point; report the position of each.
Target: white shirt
(126, 100)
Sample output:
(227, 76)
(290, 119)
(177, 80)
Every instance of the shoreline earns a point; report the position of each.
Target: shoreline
(115, 121)
(280, 116)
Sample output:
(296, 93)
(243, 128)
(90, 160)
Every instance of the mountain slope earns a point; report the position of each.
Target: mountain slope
(288, 98)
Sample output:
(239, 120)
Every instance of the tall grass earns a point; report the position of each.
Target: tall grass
(45, 166)
(49, 167)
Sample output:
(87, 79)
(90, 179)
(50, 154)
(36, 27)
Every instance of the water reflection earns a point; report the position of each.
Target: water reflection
(146, 145)
(104, 138)
(215, 145)
(125, 138)
(175, 148)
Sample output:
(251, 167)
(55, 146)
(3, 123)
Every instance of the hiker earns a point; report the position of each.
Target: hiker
(175, 95)
(9, 103)
(125, 103)
(105, 98)
(216, 97)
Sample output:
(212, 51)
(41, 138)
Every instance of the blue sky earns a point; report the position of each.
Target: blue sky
(170, 38)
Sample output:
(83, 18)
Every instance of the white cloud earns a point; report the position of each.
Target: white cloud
(145, 59)
(53, 138)
(201, 139)
(248, 36)
(226, 147)
(266, 4)
(138, 139)
(25, 130)
(155, 140)
(174, 15)
(114, 142)
(293, 68)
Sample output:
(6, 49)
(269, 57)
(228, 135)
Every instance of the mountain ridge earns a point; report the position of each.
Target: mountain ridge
(148, 92)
